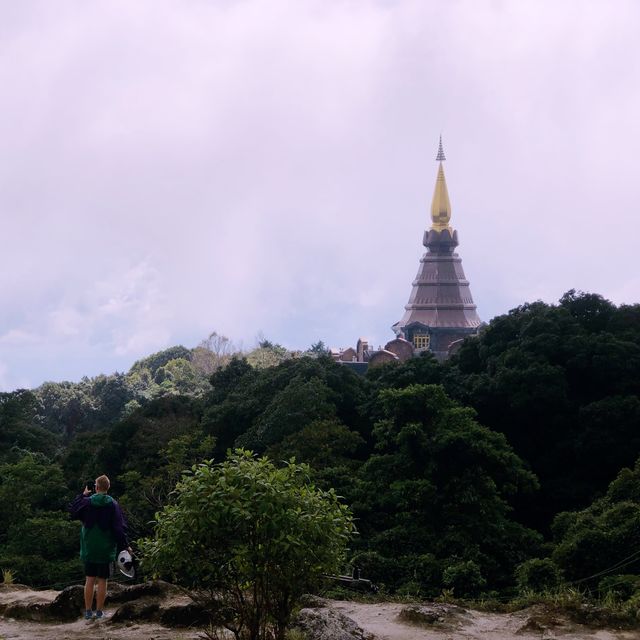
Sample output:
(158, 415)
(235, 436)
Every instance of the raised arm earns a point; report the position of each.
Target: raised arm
(78, 505)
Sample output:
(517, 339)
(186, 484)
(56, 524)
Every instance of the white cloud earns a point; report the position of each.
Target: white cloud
(17, 337)
(168, 169)
(9, 382)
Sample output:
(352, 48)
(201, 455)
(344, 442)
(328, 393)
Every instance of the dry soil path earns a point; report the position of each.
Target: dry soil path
(382, 621)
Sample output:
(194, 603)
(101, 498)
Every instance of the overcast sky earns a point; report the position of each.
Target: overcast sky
(170, 168)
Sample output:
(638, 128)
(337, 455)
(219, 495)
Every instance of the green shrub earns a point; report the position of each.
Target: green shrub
(464, 578)
(381, 570)
(538, 574)
(620, 587)
(39, 572)
(251, 538)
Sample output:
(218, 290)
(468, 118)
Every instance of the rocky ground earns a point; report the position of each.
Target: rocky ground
(159, 611)
(390, 621)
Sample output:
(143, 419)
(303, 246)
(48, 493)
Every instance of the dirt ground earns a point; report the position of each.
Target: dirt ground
(80, 629)
(94, 630)
(379, 619)
(382, 621)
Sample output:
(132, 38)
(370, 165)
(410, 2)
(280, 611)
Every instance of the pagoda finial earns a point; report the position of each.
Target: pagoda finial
(440, 206)
(440, 157)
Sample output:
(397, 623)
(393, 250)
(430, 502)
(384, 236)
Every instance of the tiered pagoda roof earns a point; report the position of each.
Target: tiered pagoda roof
(440, 310)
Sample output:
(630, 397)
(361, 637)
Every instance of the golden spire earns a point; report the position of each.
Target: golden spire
(440, 206)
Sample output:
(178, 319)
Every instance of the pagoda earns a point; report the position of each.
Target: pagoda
(440, 312)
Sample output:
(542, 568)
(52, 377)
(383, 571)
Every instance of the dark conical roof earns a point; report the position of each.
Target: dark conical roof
(441, 296)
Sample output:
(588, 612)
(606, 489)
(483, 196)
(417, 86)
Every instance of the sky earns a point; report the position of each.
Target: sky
(266, 167)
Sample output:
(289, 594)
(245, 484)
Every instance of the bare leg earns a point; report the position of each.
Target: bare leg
(88, 592)
(101, 593)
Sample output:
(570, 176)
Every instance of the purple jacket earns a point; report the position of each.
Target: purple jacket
(103, 527)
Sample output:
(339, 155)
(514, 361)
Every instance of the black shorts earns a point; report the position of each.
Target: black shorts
(97, 569)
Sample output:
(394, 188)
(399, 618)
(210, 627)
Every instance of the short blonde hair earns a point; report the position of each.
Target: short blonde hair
(102, 483)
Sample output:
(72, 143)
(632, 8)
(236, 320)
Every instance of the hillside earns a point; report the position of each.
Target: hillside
(510, 466)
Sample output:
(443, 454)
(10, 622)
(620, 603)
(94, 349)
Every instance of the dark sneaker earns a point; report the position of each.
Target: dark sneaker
(88, 615)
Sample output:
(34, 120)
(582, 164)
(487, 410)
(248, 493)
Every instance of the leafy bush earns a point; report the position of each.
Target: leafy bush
(439, 483)
(464, 578)
(382, 571)
(251, 538)
(599, 537)
(37, 571)
(620, 587)
(538, 574)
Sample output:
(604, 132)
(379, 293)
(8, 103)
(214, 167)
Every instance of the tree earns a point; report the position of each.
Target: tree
(602, 537)
(440, 483)
(159, 359)
(146, 494)
(538, 574)
(267, 354)
(254, 403)
(65, 408)
(37, 540)
(211, 354)
(18, 433)
(250, 538)
(561, 382)
(318, 349)
(299, 404)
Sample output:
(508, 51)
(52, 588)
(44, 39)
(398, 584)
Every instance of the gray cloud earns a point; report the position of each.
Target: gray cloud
(168, 168)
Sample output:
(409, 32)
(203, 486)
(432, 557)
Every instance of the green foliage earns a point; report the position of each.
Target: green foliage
(254, 405)
(30, 484)
(19, 431)
(318, 349)
(323, 444)
(295, 407)
(464, 578)
(440, 462)
(439, 483)
(253, 536)
(561, 382)
(620, 587)
(538, 575)
(8, 576)
(267, 355)
(65, 408)
(145, 494)
(602, 536)
(156, 360)
(37, 540)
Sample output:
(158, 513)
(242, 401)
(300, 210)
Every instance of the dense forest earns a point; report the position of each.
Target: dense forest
(515, 464)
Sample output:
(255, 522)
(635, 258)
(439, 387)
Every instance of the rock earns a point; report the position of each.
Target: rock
(531, 626)
(137, 611)
(326, 624)
(435, 614)
(184, 615)
(156, 588)
(309, 601)
(35, 611)
(68, 604)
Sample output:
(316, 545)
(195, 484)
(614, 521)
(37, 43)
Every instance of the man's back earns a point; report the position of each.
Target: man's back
(103, 527)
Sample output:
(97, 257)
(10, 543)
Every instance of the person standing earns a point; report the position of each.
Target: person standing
(101, 538)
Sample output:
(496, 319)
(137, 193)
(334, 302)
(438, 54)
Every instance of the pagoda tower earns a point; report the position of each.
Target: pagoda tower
(440, 311)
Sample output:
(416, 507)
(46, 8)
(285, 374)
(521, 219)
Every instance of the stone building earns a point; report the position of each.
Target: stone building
(440, 313)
